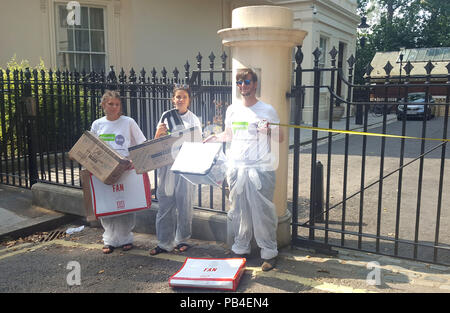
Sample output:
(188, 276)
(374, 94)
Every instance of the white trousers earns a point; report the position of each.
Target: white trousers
(118, 229)
(252, 210)
(174, 217)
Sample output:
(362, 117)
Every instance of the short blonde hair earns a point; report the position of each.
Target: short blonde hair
(111, 94)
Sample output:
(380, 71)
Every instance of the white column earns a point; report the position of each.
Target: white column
(262, 38)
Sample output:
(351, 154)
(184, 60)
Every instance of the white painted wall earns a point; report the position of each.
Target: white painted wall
(22, 32)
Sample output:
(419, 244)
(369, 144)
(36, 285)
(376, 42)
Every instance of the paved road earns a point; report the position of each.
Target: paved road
(386, 210)
(30, 266)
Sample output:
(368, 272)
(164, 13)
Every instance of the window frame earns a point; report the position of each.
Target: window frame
(57, 28)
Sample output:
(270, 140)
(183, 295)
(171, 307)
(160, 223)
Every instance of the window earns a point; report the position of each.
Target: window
(322, 59)
(81, 47)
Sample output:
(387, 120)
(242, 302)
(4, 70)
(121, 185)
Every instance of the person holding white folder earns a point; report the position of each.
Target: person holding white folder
(175, 193)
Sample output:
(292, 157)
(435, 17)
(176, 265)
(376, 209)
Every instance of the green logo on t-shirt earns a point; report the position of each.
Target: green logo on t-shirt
(108, 137)
(239, 126)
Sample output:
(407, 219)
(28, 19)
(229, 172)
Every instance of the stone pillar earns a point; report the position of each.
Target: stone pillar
(262, 38)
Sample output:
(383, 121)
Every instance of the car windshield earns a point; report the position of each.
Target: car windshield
(415, 97)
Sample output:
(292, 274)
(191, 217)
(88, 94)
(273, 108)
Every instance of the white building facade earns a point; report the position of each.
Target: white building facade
(153, 33)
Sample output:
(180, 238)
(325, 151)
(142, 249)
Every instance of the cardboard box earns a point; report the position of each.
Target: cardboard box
(132, 192)
(98, 158)
(221, 274)
(156, 153)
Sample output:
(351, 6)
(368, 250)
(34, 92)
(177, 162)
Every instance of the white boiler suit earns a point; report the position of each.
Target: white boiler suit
(251, 177)
(175, 200)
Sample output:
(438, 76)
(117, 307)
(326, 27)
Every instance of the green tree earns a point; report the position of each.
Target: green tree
(402, 23)
(436, 24)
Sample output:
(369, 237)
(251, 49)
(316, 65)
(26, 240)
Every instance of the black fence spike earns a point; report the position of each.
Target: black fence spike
(299, 55)
(429, 67)
(132, 75)
(224, 56)
(388, 68)
(199, 58)
(212, 57)
(408, 68)
(333, 53)
(27, 73)
(317, 54)
(351, 61)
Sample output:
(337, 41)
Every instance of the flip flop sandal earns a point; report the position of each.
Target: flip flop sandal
(157, 250)
(107, 249)
(127, 247)
(182, 247)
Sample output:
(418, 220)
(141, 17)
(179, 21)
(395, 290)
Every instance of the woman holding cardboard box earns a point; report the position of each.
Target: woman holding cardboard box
(174, 193)
(119, 132)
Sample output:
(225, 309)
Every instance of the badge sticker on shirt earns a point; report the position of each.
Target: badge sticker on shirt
(120, 140)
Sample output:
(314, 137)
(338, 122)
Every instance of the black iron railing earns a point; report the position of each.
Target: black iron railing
(42, 114)
(377, 190)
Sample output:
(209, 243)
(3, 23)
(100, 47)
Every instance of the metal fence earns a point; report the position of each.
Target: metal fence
(377, 194)
(42, 114)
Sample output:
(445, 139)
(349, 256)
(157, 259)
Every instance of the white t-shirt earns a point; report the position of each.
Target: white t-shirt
(189, 120)
(119, 134)
(248, 146)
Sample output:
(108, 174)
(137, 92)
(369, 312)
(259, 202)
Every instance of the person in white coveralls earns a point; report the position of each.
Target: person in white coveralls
(175, 194)
(252, 159)
(120, 132)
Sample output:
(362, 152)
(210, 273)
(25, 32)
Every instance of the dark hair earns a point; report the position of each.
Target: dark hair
(184, 87)
(243, 72)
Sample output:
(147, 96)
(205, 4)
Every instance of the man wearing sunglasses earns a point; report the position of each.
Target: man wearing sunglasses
(251, 170)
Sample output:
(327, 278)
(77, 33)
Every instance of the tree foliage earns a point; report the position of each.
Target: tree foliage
(402, 23)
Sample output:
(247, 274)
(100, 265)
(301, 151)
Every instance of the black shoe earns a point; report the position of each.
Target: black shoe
(235, 255)
(269, 264)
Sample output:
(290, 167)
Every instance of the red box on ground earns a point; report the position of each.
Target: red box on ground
(207, 273)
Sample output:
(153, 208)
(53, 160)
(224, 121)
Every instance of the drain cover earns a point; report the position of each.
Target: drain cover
(52, 236)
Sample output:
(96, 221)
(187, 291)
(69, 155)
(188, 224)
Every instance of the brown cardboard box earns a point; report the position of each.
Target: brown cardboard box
(98, 158)
(86, 184)
(156, 153)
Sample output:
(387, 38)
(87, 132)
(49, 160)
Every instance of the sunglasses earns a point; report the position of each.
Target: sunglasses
(246, 82)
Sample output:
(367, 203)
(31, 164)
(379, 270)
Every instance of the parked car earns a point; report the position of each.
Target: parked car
(415, 106)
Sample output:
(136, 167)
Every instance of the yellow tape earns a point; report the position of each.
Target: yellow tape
(352, 132)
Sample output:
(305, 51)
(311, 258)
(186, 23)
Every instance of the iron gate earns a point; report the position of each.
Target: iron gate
(380, 194)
